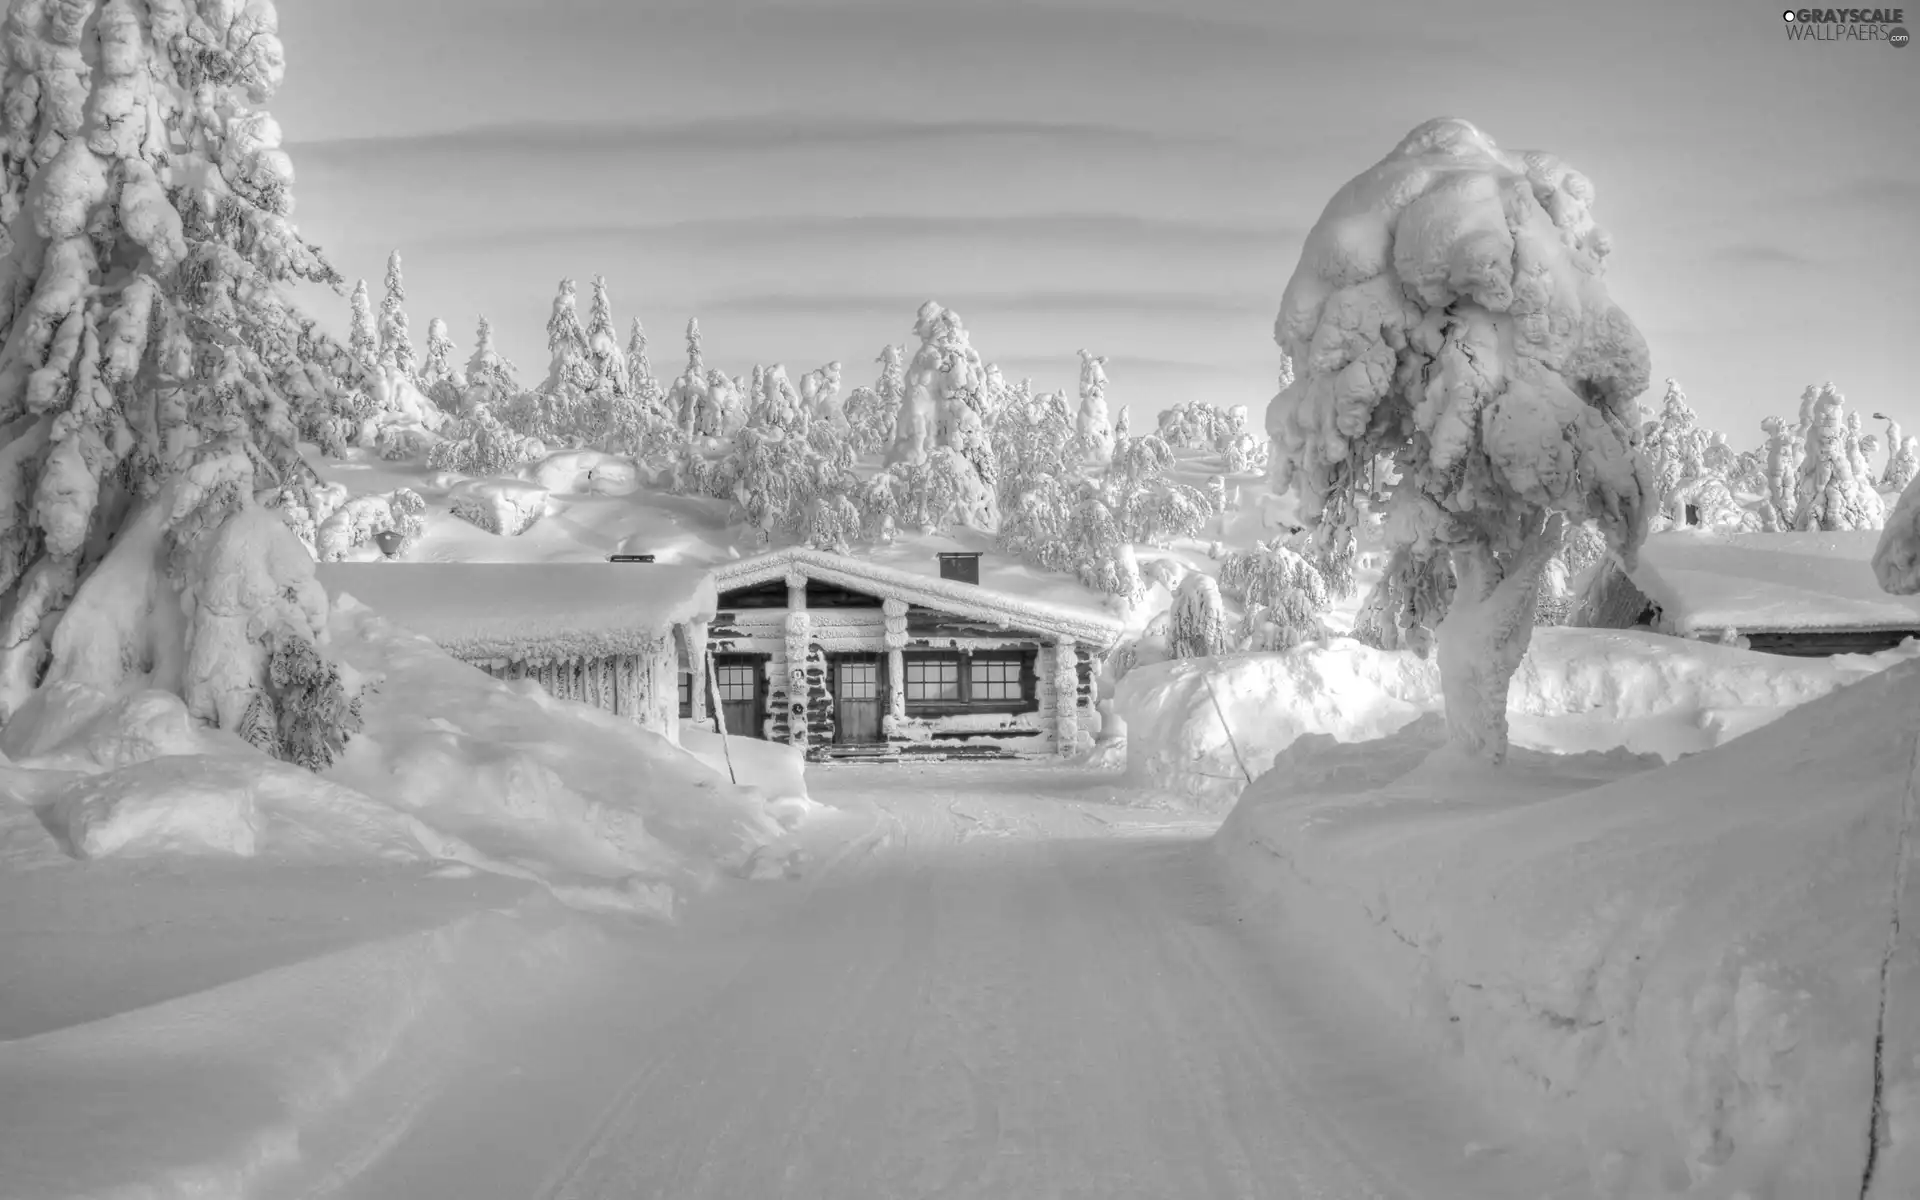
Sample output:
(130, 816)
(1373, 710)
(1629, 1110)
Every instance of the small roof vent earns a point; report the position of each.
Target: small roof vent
(639, 558)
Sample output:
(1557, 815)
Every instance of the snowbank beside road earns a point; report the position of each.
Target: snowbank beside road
(1192, 723)
(1680, 965)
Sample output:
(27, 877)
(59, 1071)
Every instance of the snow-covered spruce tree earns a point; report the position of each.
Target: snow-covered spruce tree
(147, 367)
(569, 365)
(1197, 627)
(691, 399)
(1904, 465)
(440, 377)
(1674, 446)
(605, 363)
(1092, 429)
(487, 369)
(820, 392)
(1827, 494)
(396, 339)
(1470, 331)
(641, 384)
(1281, 593)
(363, 339)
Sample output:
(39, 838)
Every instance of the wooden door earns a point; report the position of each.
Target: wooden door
(857, 696)
(740, 681)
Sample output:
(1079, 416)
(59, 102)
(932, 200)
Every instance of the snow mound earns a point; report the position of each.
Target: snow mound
(585, 472)
(267, 1084)
(520, 782)
(1708, 582)
(166, 806)
(1682, 968)
(1191, 724)
(508, 507)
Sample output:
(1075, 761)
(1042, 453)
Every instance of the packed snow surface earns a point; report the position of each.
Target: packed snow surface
(1685, 968)
(1201, 728)
(1708, 582)
(527, 611)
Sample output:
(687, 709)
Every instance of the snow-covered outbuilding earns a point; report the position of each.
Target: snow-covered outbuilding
(1806, 594)
(851, 659)
(613, 635)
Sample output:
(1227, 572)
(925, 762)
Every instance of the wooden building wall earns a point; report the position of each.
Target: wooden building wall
(641, 687)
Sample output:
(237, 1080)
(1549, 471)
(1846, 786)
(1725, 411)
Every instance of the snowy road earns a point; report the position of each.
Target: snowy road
(970, 993)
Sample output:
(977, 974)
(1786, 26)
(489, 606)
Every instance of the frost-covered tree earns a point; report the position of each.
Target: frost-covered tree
(1782, 467)
(396, 339)
(1281, 593)
(1904, 465)
(1675, 448)
(363, 340)
(1829, 495)
(569, 364)
(479, 444)
(820, 393)
(1471, 334)
(1092, 430)
(945, 374)
(641, 384)
(871, 412)
(489, 369)
(605, 364)
(439, 365)
(153, 376)
(694, 406)
(1198, 624)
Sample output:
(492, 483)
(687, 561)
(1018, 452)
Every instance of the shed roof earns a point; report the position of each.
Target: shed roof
(530, 611)
(1096, 630)
(1769, 582)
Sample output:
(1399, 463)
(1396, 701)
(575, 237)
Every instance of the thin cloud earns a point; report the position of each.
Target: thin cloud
(1105, 303)
(1760, 254)
(725, 136)
(1105, 229)
(1888, 193)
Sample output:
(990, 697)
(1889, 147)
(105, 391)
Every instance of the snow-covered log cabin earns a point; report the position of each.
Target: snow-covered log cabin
(613, 635)
(1806, 594)
(850, 659)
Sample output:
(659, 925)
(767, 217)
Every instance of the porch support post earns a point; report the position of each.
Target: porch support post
(1066, 697)
(796, 592)
(896, 615)
(694, 634)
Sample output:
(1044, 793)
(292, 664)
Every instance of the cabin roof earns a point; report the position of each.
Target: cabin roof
(1096, 630)
(530, 611)
(1769, 583)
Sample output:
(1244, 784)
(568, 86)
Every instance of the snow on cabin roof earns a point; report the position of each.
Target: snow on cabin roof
(530, 611)
(1098, 631)
(1769, 582)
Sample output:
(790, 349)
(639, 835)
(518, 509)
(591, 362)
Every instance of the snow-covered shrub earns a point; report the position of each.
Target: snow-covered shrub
(1469, 332)
(306, 508)
(508, 507)
(1197, 627)
(1282, 595)
(358, 521)
(481, 445)
(1192, 425)
(313, 715)
(1098, 552)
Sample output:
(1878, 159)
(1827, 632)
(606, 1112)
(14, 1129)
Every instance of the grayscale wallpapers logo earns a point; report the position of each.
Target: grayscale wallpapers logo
(1847, 25)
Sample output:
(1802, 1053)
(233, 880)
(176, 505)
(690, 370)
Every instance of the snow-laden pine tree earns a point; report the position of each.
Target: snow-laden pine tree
(1674, 446)
(488, 369)
(871, 411)
(363, 338)
(439, 366)
(691, 399)
(820, 392)
(568, 364)
(1092, 430)
(1782, 467)
(606, 364)
(150, 369)
(1470, 332)
(641, 384)
(1828, 494)
(396, 339)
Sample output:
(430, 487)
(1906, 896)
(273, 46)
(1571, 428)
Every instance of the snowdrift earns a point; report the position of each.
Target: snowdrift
(1191, 723)
(1680, 966)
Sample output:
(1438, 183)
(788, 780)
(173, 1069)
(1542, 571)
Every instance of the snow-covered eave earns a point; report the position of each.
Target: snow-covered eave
(1095, 631)
(530, 612)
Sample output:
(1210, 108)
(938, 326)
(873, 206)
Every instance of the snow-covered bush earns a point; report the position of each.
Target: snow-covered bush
(481, 445)
(358, 521)
(1197, 627)
(312, 715)
(1282, 596)
(305, 508)
(1449, 305)
(508, 507)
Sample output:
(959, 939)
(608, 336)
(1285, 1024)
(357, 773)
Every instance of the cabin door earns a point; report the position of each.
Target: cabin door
(740, 680)
(857, 696)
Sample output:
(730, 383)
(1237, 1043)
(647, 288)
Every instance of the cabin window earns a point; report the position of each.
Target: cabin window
(686, 694)
(932, 679)
(945, 683)
(995, 678)
(735, 682)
